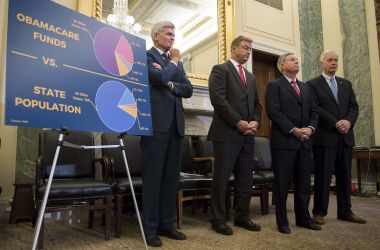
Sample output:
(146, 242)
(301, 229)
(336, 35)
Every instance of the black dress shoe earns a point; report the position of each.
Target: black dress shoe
(284, 230)
(311, 225)
(172, 234)
(249, 225)
(153, 241)
(353, 218)
(222, 229)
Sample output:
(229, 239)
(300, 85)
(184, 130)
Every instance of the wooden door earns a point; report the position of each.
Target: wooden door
(265, 71)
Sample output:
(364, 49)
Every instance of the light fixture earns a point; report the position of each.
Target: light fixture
(121, 18)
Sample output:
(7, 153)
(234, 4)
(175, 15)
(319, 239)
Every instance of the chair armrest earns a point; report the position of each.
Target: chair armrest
(204, 159)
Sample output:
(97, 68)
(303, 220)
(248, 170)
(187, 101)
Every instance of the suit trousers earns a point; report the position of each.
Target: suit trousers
(237, 158)
(288, 165)
(328, 161)
(161, 168)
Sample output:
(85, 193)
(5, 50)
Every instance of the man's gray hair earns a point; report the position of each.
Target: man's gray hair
(281, 60)
(160, 26)
(323, 55)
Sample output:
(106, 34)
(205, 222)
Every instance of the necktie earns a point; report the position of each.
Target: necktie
(295, 87)
(334, 88)
(242, 75)
(166, 57)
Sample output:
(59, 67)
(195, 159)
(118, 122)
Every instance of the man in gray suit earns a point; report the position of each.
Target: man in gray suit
(236, 119)
(334, 139)
(161, 152)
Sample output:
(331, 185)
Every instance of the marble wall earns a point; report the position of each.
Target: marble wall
(356, 65)
(26, 154)
(311, 37)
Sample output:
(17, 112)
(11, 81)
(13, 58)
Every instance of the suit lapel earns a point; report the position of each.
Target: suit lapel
(289, 87)
(339, 84)
(250, 86)
(158, 57)
(323, 82)
(236, 75)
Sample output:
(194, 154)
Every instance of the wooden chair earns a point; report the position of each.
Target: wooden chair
(194, 182)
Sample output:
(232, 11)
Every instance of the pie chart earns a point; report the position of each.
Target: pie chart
(116, 106)
(113, 51)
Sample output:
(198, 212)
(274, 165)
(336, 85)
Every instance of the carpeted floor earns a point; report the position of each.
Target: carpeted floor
(335, 234)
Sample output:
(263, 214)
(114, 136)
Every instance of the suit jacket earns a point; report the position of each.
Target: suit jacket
(232, 102)
(166, 104)
(287, 110)
(330, 111)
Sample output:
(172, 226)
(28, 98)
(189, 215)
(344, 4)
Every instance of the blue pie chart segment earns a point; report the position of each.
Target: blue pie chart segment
(116, 106)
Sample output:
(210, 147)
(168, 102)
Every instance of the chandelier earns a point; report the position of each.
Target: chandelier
(121, 18)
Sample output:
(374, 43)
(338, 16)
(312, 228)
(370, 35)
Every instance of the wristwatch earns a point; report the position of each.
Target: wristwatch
(170, 85)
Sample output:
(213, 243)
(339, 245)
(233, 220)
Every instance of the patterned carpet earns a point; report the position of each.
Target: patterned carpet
(335, 234)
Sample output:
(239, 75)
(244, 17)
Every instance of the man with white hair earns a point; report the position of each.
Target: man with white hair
(168, 84)
(294, 117)
(334, 139)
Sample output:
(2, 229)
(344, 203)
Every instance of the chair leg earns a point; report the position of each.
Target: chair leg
(91, 216)
(205, 206)
(108, 217)
(40, 242)
(179, 208)
(264, 200)
(118, 214)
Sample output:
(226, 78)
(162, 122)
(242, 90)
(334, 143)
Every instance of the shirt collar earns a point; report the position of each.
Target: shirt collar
(328, 78)
(290, 80)
(161, 51)
(235, 63)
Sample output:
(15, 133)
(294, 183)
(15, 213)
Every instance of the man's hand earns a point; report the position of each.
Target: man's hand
(175, 55)
(242, 126)
(343, 126)
(302, 134)
(252, 128)
(306, 133)
(157, 66)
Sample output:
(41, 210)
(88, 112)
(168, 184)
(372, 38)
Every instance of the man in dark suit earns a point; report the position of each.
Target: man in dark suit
(334, 139)
(161, 153)
(290, 106)
(236, 118)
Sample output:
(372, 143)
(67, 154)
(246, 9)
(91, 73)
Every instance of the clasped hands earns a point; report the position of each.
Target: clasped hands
(303, 134)
(247, 128)
(343, 126)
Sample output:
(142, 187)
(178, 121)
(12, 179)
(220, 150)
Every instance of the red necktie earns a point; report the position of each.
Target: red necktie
(294, 84)
(242, 75)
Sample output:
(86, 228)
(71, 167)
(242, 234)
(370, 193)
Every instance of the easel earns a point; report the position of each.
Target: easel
(46, 194)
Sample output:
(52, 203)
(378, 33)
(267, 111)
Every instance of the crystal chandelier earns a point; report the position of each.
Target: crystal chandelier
(121, 18)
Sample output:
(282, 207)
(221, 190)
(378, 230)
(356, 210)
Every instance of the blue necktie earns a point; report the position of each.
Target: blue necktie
(334, 88)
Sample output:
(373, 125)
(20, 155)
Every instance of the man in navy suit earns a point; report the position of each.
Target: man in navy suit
(291, 108)
(334, 139)
(236, 118)
(168, 84)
